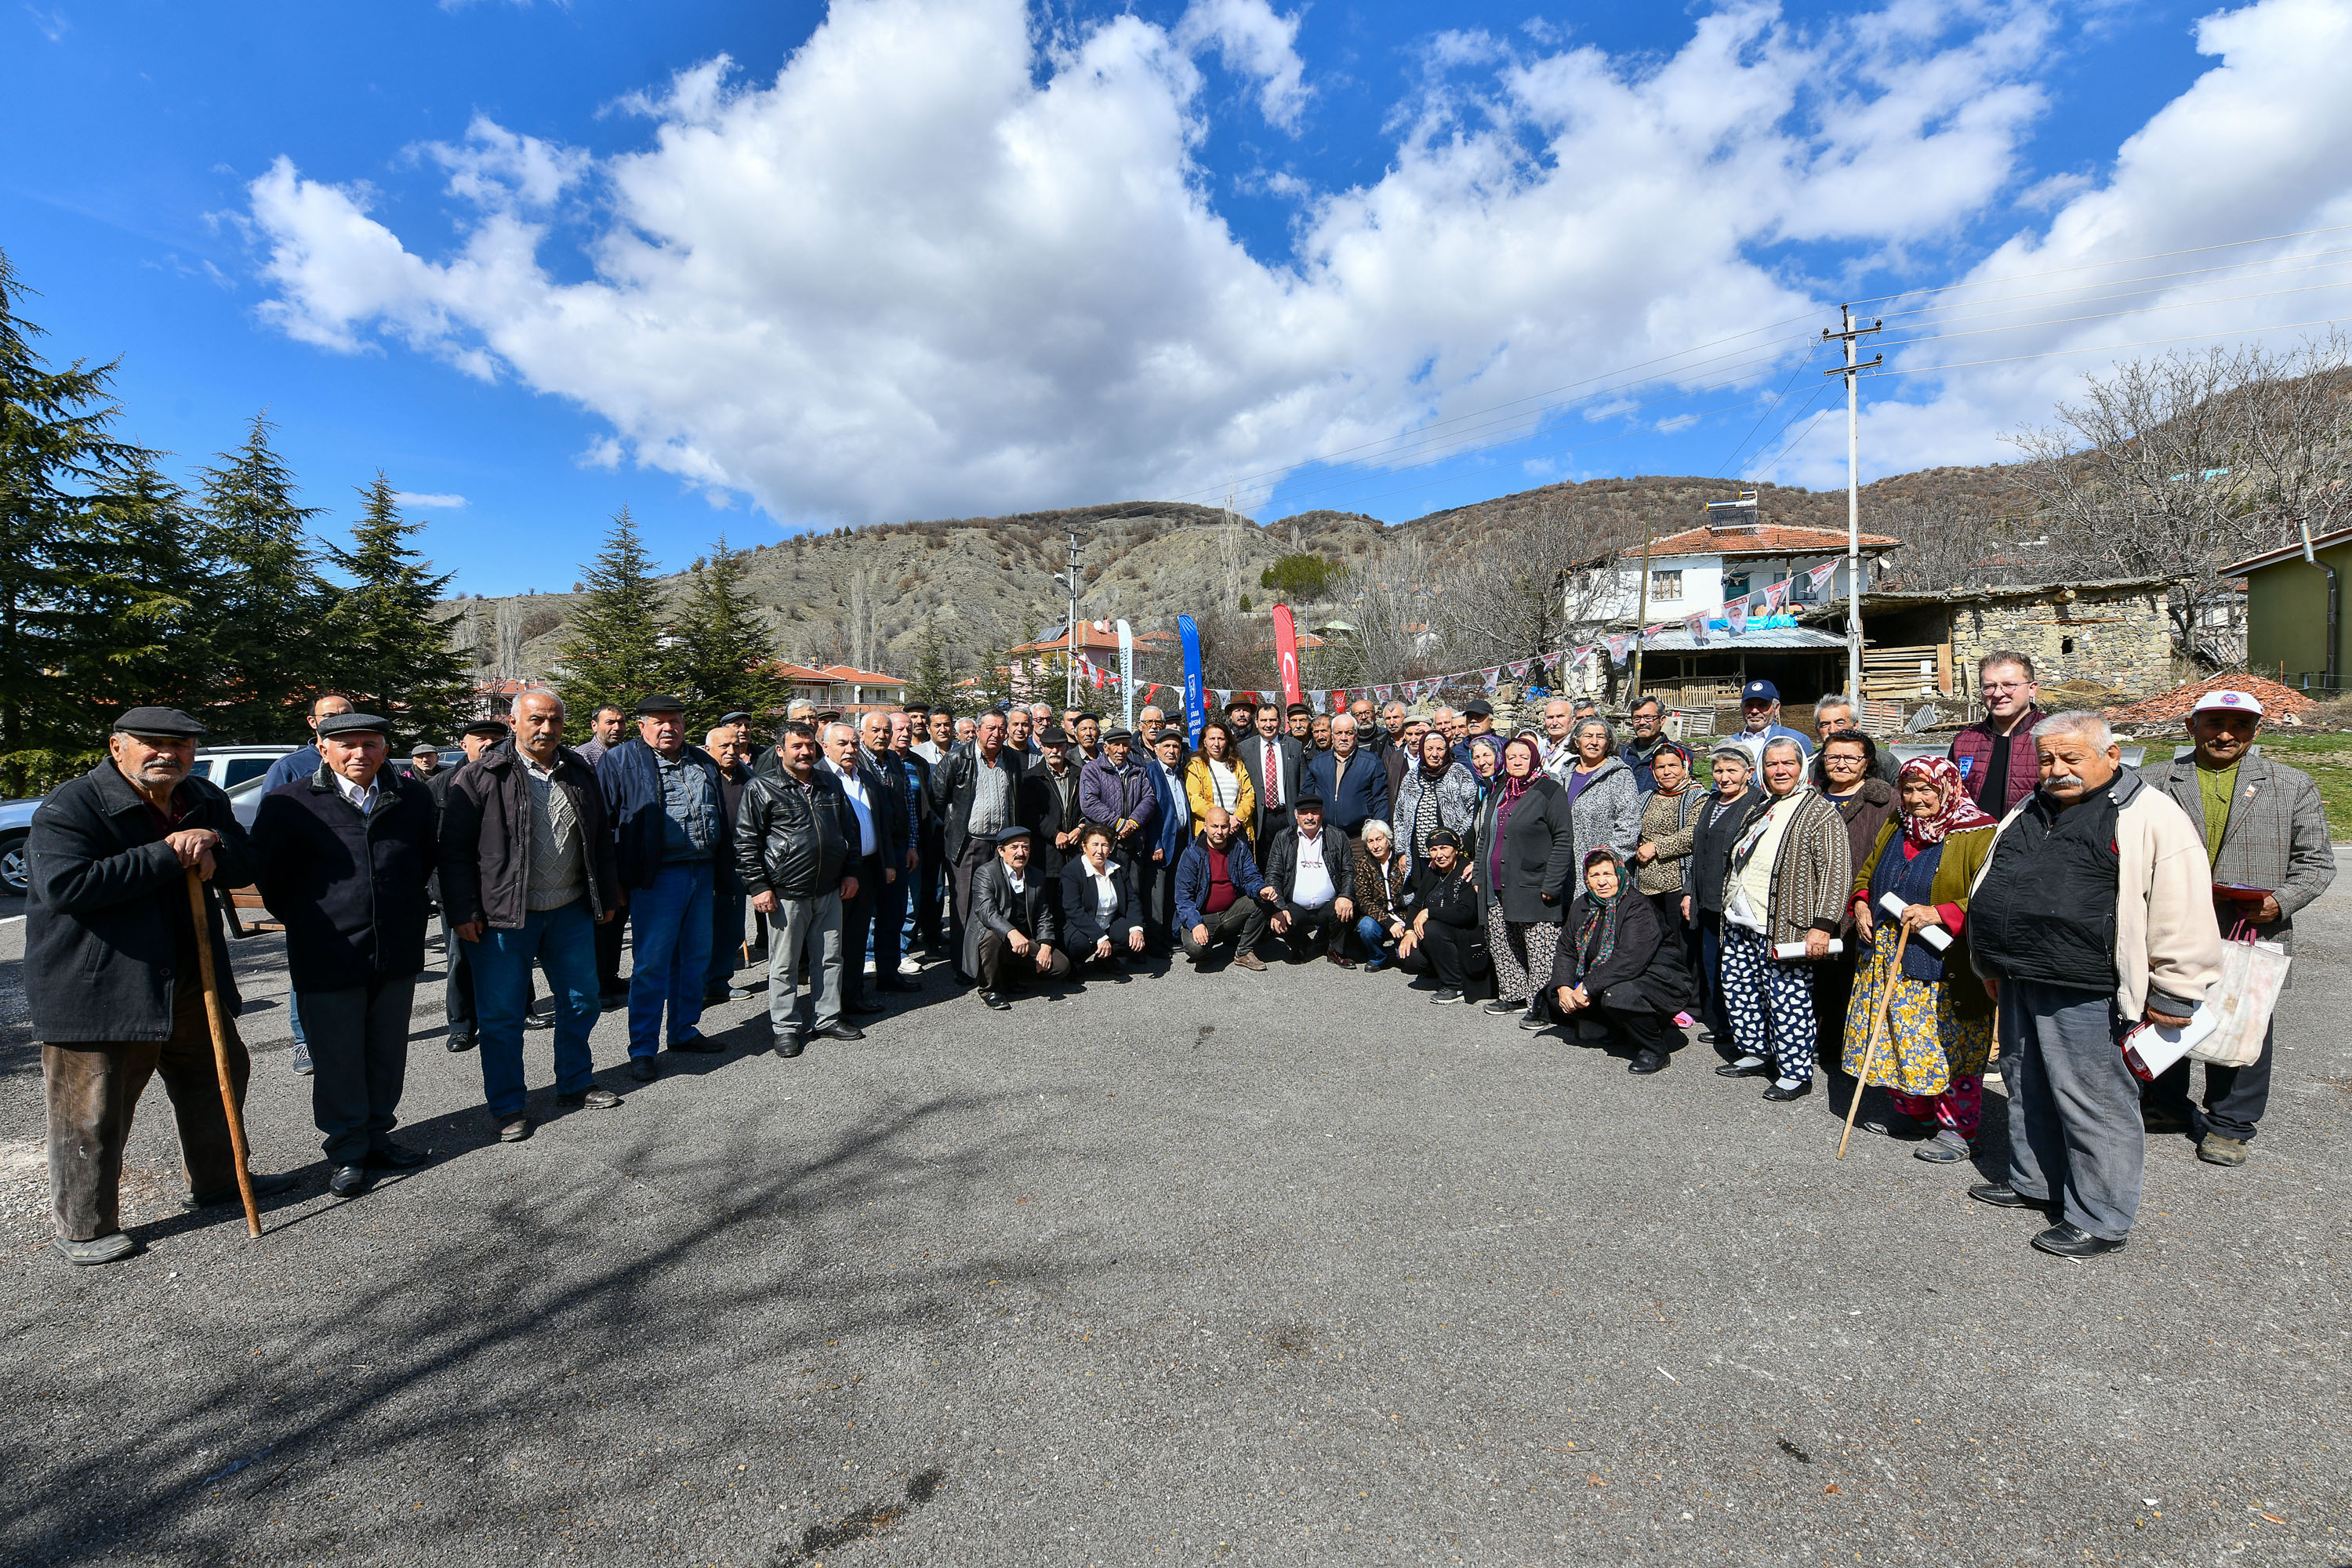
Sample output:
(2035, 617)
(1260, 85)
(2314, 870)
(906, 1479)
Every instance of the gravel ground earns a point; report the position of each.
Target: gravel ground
(1280, 1268)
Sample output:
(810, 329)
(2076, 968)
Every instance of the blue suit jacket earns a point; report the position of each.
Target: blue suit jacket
(1362, 797)
(1172, 830)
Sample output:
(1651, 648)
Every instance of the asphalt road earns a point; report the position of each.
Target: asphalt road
(1276, 1268)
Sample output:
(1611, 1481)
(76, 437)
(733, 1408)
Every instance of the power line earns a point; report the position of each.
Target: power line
(2111, 315)
(2118, 261)
(2113, 348)
(2242, 268)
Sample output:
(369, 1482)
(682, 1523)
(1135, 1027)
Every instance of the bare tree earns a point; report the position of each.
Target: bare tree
(2175, 466)
(509, 640)
(859, 629)
(1233, 558)
(1536, 589)
(1387, 599)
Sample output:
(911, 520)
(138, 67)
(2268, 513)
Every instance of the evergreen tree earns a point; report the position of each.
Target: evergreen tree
(144, 623)
(725, 657)
(933, 682)
(267, 592)
(612, 649)
(54, 451)
(385, 639)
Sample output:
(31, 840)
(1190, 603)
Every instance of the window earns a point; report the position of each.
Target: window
(242, 768)
(1665, 585)
(1734, 586)
(2066, 644)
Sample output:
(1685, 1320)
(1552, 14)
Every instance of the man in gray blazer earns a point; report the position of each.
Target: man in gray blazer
(2265, 829)
(1272, 761)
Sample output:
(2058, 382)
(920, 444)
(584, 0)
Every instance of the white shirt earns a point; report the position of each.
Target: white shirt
(1183, 809)
(362, 799)
(1312, 888)
(1269, 762)
(928, 752)
(1106, 895)
(1222, 781)
(854, 788)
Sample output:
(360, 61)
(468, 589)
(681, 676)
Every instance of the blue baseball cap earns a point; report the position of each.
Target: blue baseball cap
(1759, 692)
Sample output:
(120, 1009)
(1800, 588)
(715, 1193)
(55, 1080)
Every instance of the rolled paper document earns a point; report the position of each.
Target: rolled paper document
(1796, 949)
(2150, 1048)
(1935, 937)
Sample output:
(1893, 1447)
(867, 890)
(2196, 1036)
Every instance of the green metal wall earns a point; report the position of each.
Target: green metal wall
(2286, 617)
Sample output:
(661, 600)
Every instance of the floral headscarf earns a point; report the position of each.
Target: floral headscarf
(1953, 810)
(1493, 746)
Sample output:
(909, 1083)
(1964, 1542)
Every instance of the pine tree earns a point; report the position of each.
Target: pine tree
(54, 451)
(145, 625)
(725, 657)
(612, 649)
(933, 682)
(269, 593)
(384, 639)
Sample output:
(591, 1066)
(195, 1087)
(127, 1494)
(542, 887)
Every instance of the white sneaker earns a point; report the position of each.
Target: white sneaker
(909, 966)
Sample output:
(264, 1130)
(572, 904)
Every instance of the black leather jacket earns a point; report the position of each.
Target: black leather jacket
(792, 840)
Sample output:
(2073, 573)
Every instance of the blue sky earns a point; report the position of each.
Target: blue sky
(967, 259)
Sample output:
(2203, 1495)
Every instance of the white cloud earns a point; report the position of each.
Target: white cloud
(939, 266)
(427, 502)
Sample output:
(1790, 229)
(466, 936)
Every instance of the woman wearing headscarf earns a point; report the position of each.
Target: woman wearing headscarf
(1843, 771)
(1619, 972)
(1662, 859)
(1525, 850)
(1382, 891)
(1715, 827)
(1448, 939)
(1938, 1018)
(1789, 880)
(1215, 777)
(1100, 923)
(1435, 792)
(1604, 798)
(1487, 765)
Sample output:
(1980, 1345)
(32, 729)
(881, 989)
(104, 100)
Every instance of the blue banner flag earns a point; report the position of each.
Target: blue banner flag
(1196, 712)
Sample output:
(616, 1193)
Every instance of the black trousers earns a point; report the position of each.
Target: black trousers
(1243, 921)
(1669, 920)
(1636, 1029)
(2235, 1098)
(1155, 894)
(608, 957)
(930, 875)
(974, 853)
(1309, 927)
(1002, 969)
(1453, 955)
(1833, 980)
(857, 924)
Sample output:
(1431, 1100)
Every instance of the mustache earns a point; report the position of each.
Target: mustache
(2065, 780)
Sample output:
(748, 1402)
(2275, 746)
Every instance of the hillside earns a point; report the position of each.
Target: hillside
(990, 581)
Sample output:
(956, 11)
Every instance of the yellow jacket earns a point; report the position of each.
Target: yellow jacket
(1200, 792)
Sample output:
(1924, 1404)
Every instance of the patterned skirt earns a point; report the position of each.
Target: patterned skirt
(1927, 1044)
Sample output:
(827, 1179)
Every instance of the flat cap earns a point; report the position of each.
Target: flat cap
(1110, 735)
(1054, 736)
(1478, 707)
(494, 728)
(1007, 834)
(737, 717)
(159, 722)
(353, 724)
(425, 748)
(661, 702)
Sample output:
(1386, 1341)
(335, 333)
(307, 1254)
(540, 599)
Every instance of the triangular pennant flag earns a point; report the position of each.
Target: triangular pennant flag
(1821, 574)
(1697, 625)
(1493, 677)
(1775, 594)
(1384, 692)
(1519, 669)
(1314, 699)
(1617, 647)
(1738, 611)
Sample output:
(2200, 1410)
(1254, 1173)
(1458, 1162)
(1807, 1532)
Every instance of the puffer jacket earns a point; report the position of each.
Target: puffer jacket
(793, 839)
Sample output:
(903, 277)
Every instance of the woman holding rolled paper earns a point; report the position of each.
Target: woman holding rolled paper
(1938, 1018)
(1784, 897)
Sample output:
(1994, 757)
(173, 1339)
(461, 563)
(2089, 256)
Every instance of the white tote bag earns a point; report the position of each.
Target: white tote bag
(2252, 973)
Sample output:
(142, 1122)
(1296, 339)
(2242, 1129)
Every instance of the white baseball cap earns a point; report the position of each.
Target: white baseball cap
(2228, 702)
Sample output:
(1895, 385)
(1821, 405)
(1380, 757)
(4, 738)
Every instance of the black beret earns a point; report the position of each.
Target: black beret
(353, 724)
(1008, 835)
(495, 728)
(661, 702)
(159, 722)
(1054, 736)
(1480, 707)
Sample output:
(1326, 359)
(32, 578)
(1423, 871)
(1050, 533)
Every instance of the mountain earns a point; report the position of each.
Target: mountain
(990, 581)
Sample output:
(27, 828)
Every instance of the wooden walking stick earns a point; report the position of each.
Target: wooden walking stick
(1870, 1046)
(220, 1047)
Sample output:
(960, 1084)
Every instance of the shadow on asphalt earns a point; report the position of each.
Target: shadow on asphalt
(606, 1288)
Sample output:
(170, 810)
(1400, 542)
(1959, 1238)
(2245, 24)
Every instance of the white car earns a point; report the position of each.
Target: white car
(236, 769)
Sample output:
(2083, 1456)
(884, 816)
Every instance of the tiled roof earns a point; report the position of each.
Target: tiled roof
(1760, 538)
(839, 675)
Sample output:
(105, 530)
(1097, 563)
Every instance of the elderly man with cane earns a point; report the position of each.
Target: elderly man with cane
(2093, 913)
(114, 978)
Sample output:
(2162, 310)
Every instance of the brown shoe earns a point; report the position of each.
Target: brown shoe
(2216, 1149)
(1248, 961)
(514, 1130)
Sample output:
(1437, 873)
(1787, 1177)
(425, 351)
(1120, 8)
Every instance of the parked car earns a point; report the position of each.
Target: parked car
(236, 769)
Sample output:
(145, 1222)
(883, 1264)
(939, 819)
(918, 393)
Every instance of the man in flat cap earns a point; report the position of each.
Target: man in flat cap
(794, 840)
(1116, 793)
(112, 976)
(728, 742)
(665, 801)
(301, 764)
(527, 877)
(1011, 938)
(344, 858)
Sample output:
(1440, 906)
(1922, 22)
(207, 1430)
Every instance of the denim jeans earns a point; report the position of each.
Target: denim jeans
(563, 942)
(1375, 940)
(301, 1046)
(669, 934)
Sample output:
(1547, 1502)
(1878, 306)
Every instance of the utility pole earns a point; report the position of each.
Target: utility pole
(1851, 335)
(1070, 635)
(1641, 618)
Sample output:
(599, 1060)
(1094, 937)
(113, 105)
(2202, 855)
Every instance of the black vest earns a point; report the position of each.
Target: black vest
(2045, 909)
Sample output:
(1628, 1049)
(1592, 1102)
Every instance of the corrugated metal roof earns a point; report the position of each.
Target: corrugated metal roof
(1780, 638)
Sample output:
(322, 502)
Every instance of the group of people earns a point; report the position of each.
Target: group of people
(2024, 888)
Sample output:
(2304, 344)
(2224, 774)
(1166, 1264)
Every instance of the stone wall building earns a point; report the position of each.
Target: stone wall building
(1926, 643)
